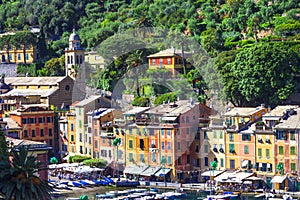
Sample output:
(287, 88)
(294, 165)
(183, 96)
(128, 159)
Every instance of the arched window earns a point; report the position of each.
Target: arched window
(77, 60)
(68, 60)
(80, 59)
(71, 59)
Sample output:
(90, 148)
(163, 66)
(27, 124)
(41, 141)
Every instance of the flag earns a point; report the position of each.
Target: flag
(62, 105)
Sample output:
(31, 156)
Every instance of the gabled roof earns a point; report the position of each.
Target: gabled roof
(292, 122)
(243, 111)
(90, 99)
(169, 53)
(29, 92)
(51, 80)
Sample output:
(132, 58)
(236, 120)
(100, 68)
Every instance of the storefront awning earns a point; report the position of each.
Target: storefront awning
(212, 173)
(169, 118)
(163, 172)
(278, 179)
(150, 171)
(134, 169)
(245, 163)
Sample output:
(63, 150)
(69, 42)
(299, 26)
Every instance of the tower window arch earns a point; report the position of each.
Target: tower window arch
(71, 59)
(68, 60)
(77, 60)
(80, 59)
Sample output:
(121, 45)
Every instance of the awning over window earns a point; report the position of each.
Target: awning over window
(150, 171)
(163, 172)
(212, 173)
(278, 179)
(168, 118)
(136, 170)
(245, 163)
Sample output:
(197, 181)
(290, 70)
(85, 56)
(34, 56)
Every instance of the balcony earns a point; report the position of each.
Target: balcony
(143, 121)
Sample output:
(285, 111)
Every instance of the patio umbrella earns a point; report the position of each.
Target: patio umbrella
(53, 160)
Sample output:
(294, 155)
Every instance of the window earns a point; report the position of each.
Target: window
(153, 157)
(50, 142)
(267, 153)
(162, 132)
(280, 150)
(50, 132)
(169, 145)
(246, 137)
(96, 144)
(178, 145)
(25, 133)
(292, 135)
(246, 149)
(80, 124)
(96, 132)
(169, 61)
(151, 132)
(206, 161)
(72, 127)
(24, 121)
(130, 130)
(259, 152)
(142, 159)
(42, 132)
(281, 135)
(187, 119)
(19, 56)
(163, 146)
(188, 144)
(103, 140)
(153, 61)
(221, 162)
(130, 144)
(10, 57)
(182, 120)
(293, 150)
(80, 137)
(293, 166)
(179, 161)
(130, 156)
(232, 164)
(169, 132)
(142, 145)
(72, 138)
(49, 119)
(90, 140)
(205, 135)
(32, 133)
(32, 120)
(231, 148)
(197, 148)
(215, 134)
(205, 148)
(187, 131)
(188, 159)
(231, 137)
(89, 130)
(169, 160)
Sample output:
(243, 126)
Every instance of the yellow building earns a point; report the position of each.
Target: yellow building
(16, 54)
(72, 137)
(170, 59)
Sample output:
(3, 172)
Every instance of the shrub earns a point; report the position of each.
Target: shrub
(165, 98)
(78, 158)
(140, 101)
(95, 162)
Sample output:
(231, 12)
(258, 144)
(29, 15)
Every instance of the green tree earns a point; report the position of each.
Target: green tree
(26, 39)
(53, 67)
(263, 73)
(5, 41)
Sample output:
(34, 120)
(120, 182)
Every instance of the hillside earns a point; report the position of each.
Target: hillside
(235, 32)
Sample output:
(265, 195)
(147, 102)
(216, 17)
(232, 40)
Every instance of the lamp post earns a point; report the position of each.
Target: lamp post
(213, 166)
(116, 142)
(163, 162)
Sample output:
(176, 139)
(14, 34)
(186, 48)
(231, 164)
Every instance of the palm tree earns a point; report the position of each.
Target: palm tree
(18, 181)
(134, 60)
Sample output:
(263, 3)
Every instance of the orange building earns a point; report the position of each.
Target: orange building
(37, 124)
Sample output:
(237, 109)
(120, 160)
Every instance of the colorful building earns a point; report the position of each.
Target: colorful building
(265, 146)
(84, 143)
(287, 133)
(37, 124)
(170, 59)
(72, 137)
(213, 144)
(240, 143)
(16, 54)
(52, 91)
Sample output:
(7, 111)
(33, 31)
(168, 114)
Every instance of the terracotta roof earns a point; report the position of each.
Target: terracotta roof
(29, 92)
(280, 110)
(292, 122)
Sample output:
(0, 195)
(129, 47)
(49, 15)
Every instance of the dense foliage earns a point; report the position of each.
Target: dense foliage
(78, 158)
(226, 27)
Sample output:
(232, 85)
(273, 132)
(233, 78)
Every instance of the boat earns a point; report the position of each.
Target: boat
(127, 183)
(76, 184)
(222, 196)
(153, 190)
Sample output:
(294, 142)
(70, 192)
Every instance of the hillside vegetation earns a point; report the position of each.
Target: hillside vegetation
(255, 44)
